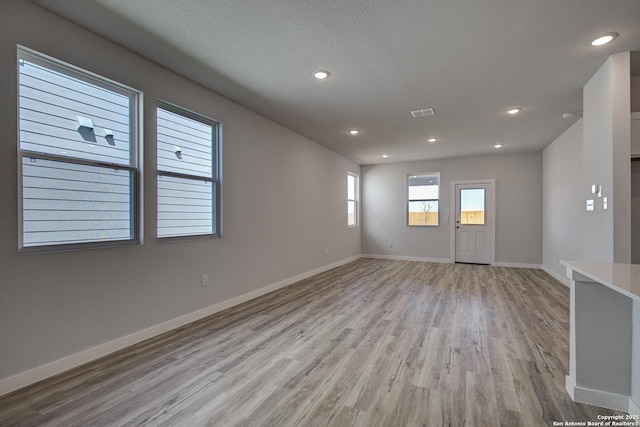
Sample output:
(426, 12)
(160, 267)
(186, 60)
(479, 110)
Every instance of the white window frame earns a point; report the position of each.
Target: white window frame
(216, 170)
(355, 200)
(409, 200)
(134, 166)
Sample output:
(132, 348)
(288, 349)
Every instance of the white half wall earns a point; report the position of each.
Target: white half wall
(518, 207)
(284, 214)
(563, 205)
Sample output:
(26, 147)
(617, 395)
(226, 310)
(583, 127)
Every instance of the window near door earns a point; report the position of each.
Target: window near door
(78, 170)
(423, 200)
(352, 199)
(472, 206)
(188, 147)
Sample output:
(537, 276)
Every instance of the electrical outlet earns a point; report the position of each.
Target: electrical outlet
(390, 243)
(204, 281)
(326, 251)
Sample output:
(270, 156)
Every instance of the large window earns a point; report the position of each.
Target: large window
(188, 182)
(77, 157)
(352, 199)
(423, 199)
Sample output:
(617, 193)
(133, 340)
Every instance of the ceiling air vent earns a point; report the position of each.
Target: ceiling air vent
(423, 112)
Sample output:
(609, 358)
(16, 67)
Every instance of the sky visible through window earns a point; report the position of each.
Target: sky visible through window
(351, 187)
(423, 192)
(472, 199)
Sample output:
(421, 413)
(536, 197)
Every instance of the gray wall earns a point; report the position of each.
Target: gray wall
(563, 205)
(518, 207)
(284, 205)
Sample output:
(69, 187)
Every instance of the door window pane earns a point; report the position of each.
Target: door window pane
(472, 209)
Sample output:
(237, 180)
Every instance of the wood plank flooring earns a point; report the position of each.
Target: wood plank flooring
(372, 343)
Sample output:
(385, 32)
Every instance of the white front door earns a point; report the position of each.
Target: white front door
(473, 218)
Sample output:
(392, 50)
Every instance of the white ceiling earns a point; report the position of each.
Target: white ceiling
(470, 60)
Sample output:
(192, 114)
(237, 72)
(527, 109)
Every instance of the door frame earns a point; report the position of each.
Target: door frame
(492, 226)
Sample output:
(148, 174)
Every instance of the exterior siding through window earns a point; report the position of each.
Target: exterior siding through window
(187, 154)
(77, 148)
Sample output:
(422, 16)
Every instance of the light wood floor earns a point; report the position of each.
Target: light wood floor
(372, 343)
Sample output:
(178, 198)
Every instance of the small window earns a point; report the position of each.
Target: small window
(423, 200)
(352, 199)
(188, 182)
(78, 162)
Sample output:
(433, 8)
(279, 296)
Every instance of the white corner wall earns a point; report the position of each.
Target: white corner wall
(594, 151)
(518, 207)
(563, 206)
(284, 207)
(606, 154)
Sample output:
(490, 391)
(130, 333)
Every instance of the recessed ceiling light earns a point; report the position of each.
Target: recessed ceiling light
(514, 111)
(321, 74)
(354, 131)
(497, 146)
(384, 156)
(432, 140)
(603, 39)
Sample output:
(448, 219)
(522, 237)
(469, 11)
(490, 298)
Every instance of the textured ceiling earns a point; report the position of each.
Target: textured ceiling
(470, 60)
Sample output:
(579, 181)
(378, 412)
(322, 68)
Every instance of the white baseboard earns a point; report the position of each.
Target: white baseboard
(448, 261)
(560, 278)
(604, 399)
(516, 265)
(407, 258)
(634, 408)
(39, 373)
(570, 386)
